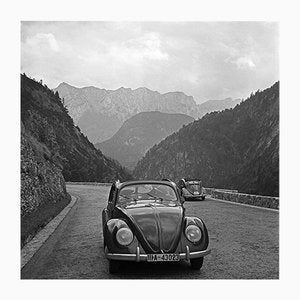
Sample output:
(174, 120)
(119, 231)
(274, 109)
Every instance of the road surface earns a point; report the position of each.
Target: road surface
(244, 242)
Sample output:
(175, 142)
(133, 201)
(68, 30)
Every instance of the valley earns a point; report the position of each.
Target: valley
(139, 133)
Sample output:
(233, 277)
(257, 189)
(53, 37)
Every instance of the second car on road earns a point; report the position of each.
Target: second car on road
(191, 189)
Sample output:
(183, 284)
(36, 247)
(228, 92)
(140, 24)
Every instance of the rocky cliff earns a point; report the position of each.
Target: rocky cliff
(41, 179)
(43, 189)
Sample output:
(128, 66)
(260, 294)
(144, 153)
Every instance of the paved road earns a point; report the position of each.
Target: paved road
(244, 242)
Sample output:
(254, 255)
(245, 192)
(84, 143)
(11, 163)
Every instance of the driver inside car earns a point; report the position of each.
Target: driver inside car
(163, 192)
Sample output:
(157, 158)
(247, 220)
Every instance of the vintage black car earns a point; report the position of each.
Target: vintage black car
(145, 221)
(191, 189)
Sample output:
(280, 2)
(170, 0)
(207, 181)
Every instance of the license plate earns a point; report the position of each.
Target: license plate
(163, 257)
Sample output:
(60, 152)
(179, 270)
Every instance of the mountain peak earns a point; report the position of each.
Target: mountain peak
(144, 89)
(122, 88)
(65, 84)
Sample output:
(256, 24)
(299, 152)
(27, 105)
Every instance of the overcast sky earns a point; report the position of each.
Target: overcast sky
(206, 60)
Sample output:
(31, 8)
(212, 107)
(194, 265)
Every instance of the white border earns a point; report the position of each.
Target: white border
(286, 12)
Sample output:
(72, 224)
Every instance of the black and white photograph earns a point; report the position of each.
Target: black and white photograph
(151, 154)
(149, 150)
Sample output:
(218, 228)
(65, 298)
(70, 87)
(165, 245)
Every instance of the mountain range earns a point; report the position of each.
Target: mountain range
(100, 113)
(139, 133)
(237, 148)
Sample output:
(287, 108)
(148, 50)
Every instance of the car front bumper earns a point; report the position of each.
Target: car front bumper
(143, 257)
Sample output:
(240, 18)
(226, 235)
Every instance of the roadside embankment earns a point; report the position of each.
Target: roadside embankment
(234, 196)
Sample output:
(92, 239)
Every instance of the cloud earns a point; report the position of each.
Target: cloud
(237, 56)
(244, 63)
(191, 78)
(208, 60)
(43, 40)
(146, 47)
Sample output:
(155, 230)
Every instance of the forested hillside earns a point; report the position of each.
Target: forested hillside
(234, 149)
(46, 119)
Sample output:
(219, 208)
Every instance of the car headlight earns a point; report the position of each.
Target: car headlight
(124, 236)
(193, 233)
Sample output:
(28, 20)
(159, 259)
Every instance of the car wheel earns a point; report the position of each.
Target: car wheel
(113, 266)
(203, 197)
(197, 263)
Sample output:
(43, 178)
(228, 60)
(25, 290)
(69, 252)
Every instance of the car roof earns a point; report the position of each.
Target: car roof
(120, 185)
(192, 179)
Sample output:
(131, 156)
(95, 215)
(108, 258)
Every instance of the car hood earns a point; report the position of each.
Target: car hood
(157, 226)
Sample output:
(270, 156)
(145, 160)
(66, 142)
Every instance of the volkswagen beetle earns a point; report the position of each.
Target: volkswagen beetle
(191, 189)
(146, 221)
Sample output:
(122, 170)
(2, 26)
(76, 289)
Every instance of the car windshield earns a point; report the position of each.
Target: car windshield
(194, 186)
(147, 192)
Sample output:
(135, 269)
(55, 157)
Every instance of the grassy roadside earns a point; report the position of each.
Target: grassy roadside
(31, 224)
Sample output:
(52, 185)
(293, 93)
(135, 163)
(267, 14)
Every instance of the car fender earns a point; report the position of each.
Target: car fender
(203, 243)
(109, 232)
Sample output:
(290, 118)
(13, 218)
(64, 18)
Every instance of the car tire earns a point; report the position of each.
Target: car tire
(203, 198)
(197, 263)
(114, 266)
